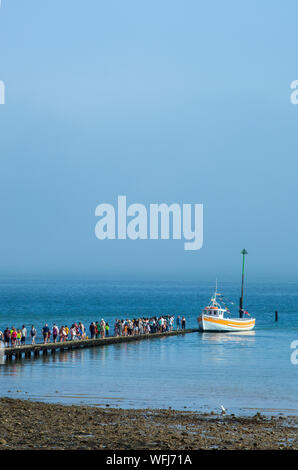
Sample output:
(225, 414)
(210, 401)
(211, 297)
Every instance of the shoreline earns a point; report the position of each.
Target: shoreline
(28, 424)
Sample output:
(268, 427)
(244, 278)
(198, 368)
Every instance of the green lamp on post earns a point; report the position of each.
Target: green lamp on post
(243, 252)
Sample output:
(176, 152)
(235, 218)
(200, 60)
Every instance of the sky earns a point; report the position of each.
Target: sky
(164, 102)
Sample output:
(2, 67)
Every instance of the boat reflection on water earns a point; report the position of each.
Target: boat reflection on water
(222, 348)
(232, 336)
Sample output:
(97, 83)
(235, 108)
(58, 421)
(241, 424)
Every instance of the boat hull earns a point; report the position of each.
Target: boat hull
(208, 323)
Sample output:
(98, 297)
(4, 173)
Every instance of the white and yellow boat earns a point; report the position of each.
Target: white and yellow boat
(216, 318)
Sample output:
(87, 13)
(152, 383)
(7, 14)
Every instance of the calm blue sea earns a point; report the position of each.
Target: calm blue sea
(245, 372)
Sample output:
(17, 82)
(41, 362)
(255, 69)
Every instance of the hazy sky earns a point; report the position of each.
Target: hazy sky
(161, 101)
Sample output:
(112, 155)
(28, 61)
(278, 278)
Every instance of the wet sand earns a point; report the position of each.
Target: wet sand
(35, 425)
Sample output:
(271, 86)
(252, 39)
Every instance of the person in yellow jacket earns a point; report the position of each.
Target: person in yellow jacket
(66, 331)
(19, 336)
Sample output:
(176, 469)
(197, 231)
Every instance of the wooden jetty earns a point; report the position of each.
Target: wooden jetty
(35, 350)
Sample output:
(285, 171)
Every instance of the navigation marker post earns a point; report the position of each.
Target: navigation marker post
(243, 252)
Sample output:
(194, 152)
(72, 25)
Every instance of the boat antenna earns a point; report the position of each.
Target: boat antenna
(215, 293)
(243, 253)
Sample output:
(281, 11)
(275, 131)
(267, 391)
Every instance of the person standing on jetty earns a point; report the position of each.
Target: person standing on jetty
(80, 333)
(66, 329)
(24, 335)
(83, 330)
(19, 337)
(102, 328)
(6, 336)
(73, 333)
(178, 322)
(13, 336)
(183, 323)
(55, 332)
(62, 334)
(33, 334)
(45, 333)
(92, 329)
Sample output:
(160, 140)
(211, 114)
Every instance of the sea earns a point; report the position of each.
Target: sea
(245, 372)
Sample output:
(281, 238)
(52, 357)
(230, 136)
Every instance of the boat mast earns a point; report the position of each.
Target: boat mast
(243, 252)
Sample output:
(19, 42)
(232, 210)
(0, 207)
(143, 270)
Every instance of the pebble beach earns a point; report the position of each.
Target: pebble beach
(31, 425)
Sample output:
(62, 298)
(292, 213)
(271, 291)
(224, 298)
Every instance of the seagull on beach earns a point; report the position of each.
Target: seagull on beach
(223, 410)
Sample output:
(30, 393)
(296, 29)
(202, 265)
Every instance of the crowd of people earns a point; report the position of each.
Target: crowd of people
(100, 329)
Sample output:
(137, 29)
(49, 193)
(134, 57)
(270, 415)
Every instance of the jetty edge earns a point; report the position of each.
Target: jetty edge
(35, 349)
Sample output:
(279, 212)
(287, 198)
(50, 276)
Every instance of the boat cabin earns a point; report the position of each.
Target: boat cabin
(214, 308)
